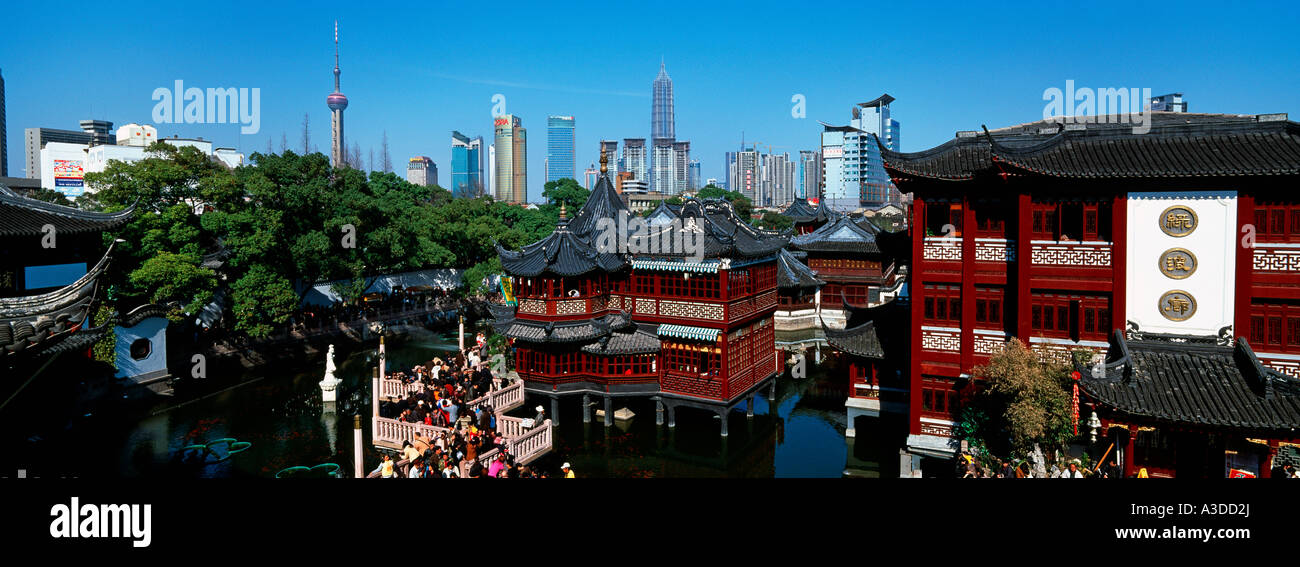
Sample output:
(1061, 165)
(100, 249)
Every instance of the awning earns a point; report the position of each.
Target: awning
(706, 267)
(688, 332)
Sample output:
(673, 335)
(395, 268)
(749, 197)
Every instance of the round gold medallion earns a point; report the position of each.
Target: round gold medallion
(1177, 305)
(1177, 263)
(1178, 221)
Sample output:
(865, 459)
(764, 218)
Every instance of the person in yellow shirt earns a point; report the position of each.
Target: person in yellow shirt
(568, 472)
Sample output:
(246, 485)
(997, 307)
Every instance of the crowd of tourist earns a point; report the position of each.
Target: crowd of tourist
(441, 396)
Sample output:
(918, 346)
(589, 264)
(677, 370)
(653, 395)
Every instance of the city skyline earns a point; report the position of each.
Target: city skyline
(539, 77)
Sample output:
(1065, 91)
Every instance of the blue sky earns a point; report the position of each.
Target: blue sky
(421, 70)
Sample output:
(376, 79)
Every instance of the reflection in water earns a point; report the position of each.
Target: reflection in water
(282, 416)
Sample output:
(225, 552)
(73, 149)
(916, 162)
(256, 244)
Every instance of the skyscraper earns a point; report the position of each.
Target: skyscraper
(663, 174)
(590, 177)
(492, 170)
(337, 103)
(610, 148)
(810, 174)
(853, 172)
(663, 124)
(421, 170)
(466, 165)
(512, 159)
(745, 176)
(681, 166)
(693, 179)
(634, 158)
(662, 121)
(559, 148)
(728, 170)
(4, 140)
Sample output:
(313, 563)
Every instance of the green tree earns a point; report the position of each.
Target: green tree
(566, 191)
(176, 277)
(262, 301)
(775, 221)
(1022, 402)
(743, 206)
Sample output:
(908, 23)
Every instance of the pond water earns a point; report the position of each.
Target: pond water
(283, 420)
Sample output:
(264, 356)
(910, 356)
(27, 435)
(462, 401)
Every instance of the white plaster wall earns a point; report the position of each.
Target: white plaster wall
(1214, 245)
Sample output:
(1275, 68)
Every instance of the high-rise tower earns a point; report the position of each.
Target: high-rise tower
(337, 103)
(662, 122)
(4, 141)
(663, 130)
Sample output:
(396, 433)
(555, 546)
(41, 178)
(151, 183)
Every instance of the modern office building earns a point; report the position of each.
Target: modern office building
(810, 174)
(590, 176)
(337, 103)
(511, 159)
(853, 174)
(663, 124)
(745, 174)
(492, 170)
(615, 165)
(663, 165)
(681, 166)
(466, 165)
(779, 177)
(560, 148)
(693, 178)
(421, 170)
(93, 132)
(634, 158)
(4, 139)
(1172, 102)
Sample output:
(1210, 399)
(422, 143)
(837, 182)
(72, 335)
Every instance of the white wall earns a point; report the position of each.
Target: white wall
(1213, 242)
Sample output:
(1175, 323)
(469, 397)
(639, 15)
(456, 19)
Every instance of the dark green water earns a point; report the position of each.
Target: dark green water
(799, 435)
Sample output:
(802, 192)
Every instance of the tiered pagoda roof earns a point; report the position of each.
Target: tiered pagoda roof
(1195, 383)
(603, 203)
(563, 253)
(1178, 146)
(858, 337)
(793, 274)
(21, 216)
(580, 331)
(725, 234)
(802, 212)
(841, 234)
(637, 339)
(38, 322)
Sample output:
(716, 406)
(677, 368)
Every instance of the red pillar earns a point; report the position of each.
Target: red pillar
(1024, 224)
(1245, 267)
(918, 296)
(1119, 261)
(967, 335)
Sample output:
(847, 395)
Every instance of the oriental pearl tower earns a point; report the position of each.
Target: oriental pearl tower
(337, 102)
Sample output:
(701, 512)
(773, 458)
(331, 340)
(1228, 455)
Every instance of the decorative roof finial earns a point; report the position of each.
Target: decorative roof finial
(563, 214)
(604, 161)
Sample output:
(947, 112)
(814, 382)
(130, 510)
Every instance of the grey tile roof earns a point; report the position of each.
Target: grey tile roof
(792, 273)
(22, 216)
(1179, 145)
(841, 234)
(1195, 384)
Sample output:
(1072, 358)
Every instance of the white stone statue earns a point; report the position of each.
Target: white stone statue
(330, 383)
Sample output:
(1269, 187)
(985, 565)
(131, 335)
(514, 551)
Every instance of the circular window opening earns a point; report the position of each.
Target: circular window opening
(140, 349)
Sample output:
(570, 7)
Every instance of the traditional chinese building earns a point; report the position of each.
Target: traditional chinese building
(52, 260)
(1192, 408)
(806, 217)
(1060, 234)
(797, 287)
(848, 257)
(679, 308)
